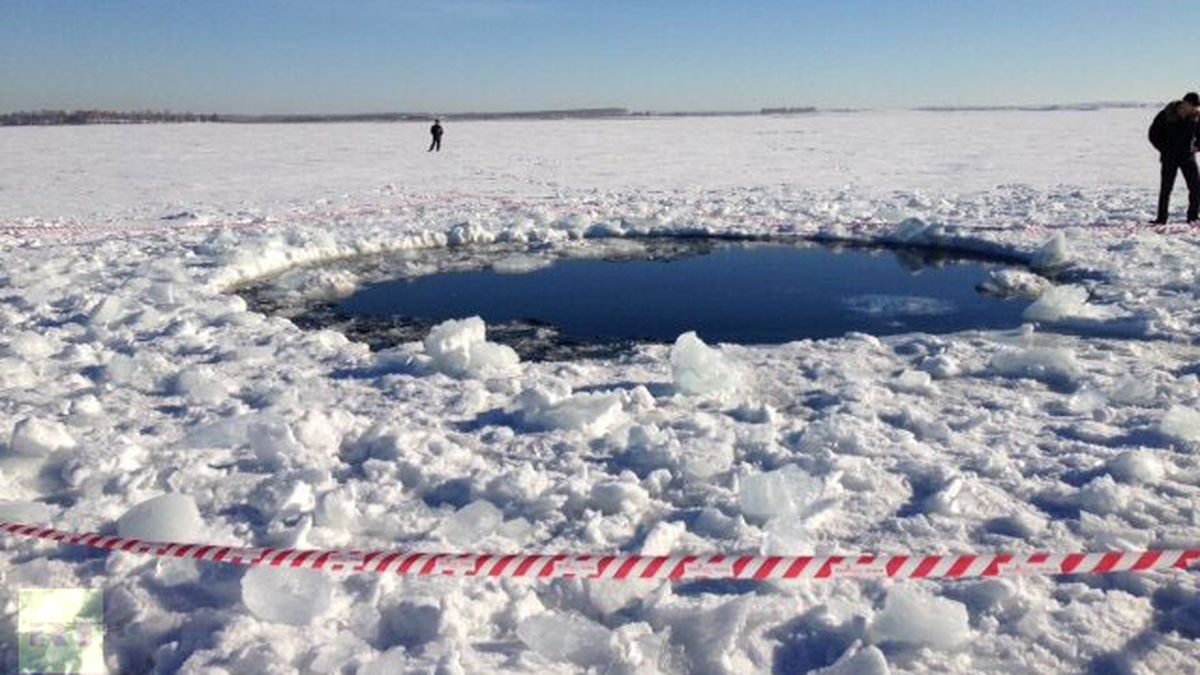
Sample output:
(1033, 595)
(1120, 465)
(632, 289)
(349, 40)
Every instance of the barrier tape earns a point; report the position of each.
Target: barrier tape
(629, 567)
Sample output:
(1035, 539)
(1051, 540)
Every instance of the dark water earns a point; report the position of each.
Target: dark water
(742, 293)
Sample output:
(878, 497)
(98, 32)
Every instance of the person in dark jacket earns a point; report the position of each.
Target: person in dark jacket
(1173, 134)
(436, 132)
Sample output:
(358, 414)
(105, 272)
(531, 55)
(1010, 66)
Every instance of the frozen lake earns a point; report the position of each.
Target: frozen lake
(129, 371)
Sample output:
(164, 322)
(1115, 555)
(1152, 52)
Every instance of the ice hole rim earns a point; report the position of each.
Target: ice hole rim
(312, 314)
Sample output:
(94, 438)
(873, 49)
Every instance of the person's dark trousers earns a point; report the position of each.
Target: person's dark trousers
(1191, 175)
(437, 145)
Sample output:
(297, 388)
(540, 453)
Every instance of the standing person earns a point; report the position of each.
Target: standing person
(436, 132)
(1173, 134)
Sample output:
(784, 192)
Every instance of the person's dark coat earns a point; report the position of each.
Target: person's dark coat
(1172, 134)
(436, 130)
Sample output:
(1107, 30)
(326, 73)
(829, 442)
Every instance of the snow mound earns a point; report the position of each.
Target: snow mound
(914, 382)
(471, 523)
(169, 517)
(202, 385)
(16, 374)
(789, 491)
(86, 406)
(1103, 496)
(32, 346)
(590, 413)
(913, 617)
(613, 497)
(459, 348)
(1056, 366)
(697, 369)
(940, 366)
(1137, 466)
(34, 437)
(1180, 424)
(290, 596)
(567, 637)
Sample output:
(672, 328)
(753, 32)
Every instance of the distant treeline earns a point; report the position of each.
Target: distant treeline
(1053, 107)
(65, 117)
(69, 117)
(788, 111)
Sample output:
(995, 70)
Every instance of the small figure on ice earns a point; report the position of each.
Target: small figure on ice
(1173, 134)
(436, 132)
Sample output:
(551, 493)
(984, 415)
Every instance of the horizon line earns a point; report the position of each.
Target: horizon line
(609, 110)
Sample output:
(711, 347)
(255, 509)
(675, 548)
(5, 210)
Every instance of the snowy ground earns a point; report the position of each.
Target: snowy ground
(127, 372)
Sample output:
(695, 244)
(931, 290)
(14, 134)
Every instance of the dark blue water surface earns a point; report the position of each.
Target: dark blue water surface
(742, 293)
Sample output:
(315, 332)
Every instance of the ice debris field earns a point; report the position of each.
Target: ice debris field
(141, 398)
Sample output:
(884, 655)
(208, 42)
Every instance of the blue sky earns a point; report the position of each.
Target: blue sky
(257, 56)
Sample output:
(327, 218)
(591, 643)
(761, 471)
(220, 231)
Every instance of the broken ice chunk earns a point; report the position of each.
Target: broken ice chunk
(913, 617)
(789, 491)
(35, 437)
(471, 523)
(169, 517)
(567, 637)
(282, 595)
(697, 369)
(460, 348)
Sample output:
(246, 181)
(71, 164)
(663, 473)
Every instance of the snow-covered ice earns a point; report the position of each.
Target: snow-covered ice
(138, 396)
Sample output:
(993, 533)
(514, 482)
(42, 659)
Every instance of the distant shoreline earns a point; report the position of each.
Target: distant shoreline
(90, 117)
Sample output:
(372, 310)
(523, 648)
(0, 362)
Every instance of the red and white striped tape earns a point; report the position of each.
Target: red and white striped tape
(628, 567)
